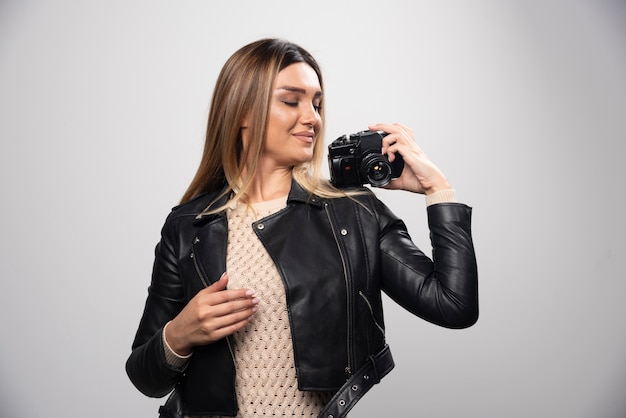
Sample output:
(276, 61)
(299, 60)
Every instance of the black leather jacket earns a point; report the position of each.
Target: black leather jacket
(334, 257)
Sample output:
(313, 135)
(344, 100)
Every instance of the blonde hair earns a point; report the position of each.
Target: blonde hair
(243, 90)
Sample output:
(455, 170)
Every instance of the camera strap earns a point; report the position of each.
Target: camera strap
(375, 368)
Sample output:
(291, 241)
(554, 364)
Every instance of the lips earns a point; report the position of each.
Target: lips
(305, 136)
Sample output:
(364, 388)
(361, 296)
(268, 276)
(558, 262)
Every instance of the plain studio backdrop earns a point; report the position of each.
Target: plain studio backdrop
(522, 105)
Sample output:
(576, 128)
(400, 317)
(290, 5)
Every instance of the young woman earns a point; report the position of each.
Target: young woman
(265, 297)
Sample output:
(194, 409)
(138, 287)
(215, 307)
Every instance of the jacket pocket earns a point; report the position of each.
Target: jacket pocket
(195, 263)
(378, 325)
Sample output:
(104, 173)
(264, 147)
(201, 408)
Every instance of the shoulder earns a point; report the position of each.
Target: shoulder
(195, 205)
(363, 200)
(186, 213)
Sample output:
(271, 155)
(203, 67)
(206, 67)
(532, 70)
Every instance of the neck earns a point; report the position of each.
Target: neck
(269, 185)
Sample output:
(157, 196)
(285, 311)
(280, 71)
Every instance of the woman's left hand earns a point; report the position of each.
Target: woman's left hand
(420, 174)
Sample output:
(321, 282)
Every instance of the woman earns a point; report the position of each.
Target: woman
(266, 290)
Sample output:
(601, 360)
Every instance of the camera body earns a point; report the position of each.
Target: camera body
(356, 159)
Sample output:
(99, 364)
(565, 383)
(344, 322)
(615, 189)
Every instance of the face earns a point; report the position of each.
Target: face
(294, 117)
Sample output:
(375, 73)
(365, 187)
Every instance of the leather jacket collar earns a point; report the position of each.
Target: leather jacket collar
(296, 194)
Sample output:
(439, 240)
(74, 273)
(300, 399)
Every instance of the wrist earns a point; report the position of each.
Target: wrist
(174, 344)
(442, 196)
(434, 183)
(436, 188)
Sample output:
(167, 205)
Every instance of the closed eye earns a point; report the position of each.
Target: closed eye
(317, 108)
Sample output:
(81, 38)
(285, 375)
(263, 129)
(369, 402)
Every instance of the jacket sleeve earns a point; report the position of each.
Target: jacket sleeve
(146, 366)
(442, 290)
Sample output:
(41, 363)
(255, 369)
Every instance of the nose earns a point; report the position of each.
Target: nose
(310, 115)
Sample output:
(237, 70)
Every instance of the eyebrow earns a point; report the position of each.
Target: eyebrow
(299, 90)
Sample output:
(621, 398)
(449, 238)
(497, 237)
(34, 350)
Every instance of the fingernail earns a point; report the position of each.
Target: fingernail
(250, 292)
(255, 308)
(255, 301)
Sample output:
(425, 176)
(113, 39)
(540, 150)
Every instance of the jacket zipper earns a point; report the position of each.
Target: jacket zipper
(195, 262)
(232, 356)
(369, 305)
(348, 368)
(206, 284)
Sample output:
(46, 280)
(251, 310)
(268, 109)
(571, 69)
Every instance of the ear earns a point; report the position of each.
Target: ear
(243, 131)
(246, 121)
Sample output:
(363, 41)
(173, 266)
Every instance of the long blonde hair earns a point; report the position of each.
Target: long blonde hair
(243, 89)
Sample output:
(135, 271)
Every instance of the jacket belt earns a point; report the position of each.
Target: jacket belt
(374, 369)
(356, 386)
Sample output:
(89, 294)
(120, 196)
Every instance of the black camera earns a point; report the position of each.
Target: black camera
(356, 159)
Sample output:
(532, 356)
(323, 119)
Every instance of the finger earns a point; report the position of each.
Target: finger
(219, 327)
(394, 184)
(215, 299)
(391, 145)
(219, 285)
(386, 142)
(229, 307)
(390, 128)
(234, 317)
(386, 127)
(219, 288)
(227, 330)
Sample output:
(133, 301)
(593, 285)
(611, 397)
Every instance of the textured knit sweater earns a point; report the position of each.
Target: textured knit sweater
(266, 383)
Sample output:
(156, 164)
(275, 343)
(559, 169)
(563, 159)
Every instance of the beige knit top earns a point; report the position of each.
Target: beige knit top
(265, 383)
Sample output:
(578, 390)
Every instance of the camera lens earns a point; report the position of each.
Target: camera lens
(376, 169)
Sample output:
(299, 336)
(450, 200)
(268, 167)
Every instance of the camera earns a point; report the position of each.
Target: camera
(356, 159)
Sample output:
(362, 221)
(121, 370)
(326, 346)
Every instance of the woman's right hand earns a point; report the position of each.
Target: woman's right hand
(212, 314)
(420, 175)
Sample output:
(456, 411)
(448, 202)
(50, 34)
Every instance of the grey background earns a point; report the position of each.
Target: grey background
(522, 104)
